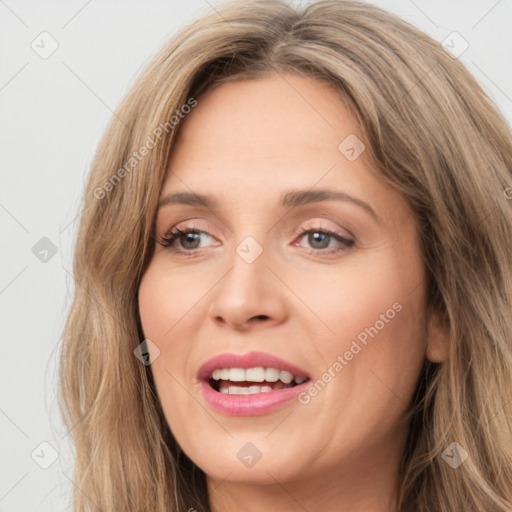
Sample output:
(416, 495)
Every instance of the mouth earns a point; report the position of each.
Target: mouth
(250, 384)
(250, 381)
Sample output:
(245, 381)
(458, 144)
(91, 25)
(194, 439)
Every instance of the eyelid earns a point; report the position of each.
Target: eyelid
(187, 225)
(319, 225)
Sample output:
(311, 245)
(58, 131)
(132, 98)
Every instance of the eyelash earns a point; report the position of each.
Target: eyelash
(174, 234)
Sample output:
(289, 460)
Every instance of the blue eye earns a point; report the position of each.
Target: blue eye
(189, 241)
(320, 239)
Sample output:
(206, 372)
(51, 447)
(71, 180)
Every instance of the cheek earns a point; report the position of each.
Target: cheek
(378, 345)
(166, 298)
(172, 306)
(161, 306)
(166, 310)
(371, 314)
(343, 301)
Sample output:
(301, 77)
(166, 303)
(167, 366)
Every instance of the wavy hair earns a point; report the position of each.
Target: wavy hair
(430, 131)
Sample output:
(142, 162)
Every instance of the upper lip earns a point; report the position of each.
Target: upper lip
(247, 360)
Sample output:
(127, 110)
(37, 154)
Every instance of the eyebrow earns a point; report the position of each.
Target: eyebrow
(291, 198)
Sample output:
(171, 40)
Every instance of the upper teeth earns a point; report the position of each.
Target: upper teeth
(258, 374)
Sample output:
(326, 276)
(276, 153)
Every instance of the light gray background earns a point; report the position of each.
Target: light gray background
(53, 112)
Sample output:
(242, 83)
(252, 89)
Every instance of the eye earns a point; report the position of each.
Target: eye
(189, 239)
(320, 240)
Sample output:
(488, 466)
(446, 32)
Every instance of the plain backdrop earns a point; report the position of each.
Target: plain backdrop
(53, 112)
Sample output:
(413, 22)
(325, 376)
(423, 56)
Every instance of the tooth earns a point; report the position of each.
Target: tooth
(254, 389)
(255, 374)
(235, 390)
(285, 377)
(271, 375)
(236, 375)
(224, 390)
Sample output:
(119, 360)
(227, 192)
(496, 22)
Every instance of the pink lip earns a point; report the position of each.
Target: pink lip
(248, 405)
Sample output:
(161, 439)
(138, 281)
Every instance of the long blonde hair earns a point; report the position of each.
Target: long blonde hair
(432, 134)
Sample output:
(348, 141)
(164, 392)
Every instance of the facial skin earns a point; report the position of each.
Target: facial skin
(246, 144)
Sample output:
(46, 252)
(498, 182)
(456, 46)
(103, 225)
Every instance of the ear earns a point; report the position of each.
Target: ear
(438, 341)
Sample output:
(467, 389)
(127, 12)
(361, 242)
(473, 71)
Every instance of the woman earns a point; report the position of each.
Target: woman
(336, 336)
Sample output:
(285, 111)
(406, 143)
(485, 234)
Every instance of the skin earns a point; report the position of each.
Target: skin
(247, 143)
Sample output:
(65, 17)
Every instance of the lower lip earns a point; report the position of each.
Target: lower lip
(250, 405)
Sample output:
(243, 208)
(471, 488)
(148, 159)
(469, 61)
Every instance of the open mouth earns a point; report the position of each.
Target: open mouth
(249, 381)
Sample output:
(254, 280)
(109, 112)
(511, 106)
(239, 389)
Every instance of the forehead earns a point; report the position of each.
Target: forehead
(286, 109)
(275, 128)
(249, 142)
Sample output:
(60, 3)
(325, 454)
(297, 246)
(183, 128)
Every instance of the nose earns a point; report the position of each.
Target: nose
(249, 295)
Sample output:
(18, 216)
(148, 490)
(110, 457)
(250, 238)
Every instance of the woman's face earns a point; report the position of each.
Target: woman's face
(331, 285)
